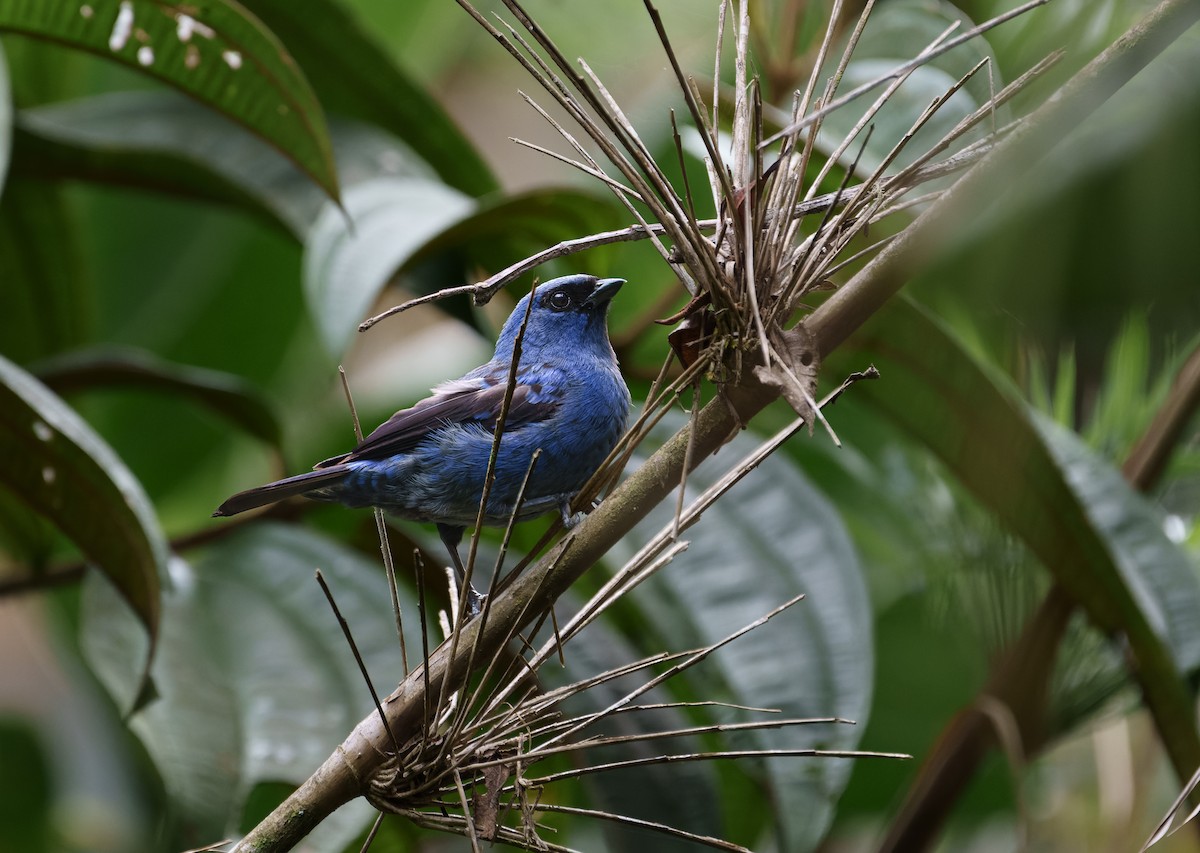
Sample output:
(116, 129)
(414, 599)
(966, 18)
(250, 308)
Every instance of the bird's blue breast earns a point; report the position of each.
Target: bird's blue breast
(441, 478)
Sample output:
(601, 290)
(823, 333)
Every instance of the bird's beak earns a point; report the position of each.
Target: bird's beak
(605, 290)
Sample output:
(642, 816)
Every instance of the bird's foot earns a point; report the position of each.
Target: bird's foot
(570, 520)
(474, 602)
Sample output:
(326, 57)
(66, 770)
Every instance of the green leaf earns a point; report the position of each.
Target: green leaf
(28, 537)
(398, 221)
(504, 229)
(1125, 398)
(165, 142)
(113, 367)
(348, 263)
(255, 680)
(1160, 575)
(215, 51)
(1063, 406)
(358, 80)
(771, 538)
(45, 304)
(537, 219)
(980, 429)
(160, 141)
(55, 465)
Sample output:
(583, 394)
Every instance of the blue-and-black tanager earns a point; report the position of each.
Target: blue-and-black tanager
(428, 463)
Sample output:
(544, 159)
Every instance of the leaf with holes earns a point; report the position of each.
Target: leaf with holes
(168, 143)
(215, 51)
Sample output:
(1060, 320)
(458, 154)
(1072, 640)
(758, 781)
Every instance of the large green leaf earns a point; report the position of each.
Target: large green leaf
(55, 465)
(113, 367)
(1161, 576)
(1093, 536)
(348, 262)
(772, 537)
(535, 219)
(359, 81)
(397, 221)
(255, 680)
(215, 51)
(45, 306)
(165, 142)
(161, 141)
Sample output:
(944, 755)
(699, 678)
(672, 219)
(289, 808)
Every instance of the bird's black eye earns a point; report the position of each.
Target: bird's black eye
(559, 300)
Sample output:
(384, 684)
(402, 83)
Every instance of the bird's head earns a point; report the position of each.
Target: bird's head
(568, 313)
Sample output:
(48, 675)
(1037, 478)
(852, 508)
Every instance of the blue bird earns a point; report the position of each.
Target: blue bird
(428, 463)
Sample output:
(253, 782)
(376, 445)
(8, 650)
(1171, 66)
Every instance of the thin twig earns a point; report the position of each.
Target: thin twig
(370, 839)
(362, 667)
(626, 820)
(385, 545)
(923, 59)
(577, 772)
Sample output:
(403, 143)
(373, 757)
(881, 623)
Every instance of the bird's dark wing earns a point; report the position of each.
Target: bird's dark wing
(467, 401)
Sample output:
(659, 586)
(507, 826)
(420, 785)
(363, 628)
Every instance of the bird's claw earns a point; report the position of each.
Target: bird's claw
(570, 520)
(474, 602)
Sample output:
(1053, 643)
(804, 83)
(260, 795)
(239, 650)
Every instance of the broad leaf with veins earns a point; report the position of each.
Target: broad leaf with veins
(215, 51)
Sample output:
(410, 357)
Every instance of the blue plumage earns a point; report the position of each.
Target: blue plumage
(428, 462)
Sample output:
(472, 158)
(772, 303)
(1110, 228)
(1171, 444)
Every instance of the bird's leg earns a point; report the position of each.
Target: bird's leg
(451, 536)
(570, 520)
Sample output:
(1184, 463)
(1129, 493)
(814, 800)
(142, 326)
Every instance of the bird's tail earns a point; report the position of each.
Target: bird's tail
(280, 489)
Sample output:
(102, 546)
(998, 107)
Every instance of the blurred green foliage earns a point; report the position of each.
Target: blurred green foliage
(183, 292)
